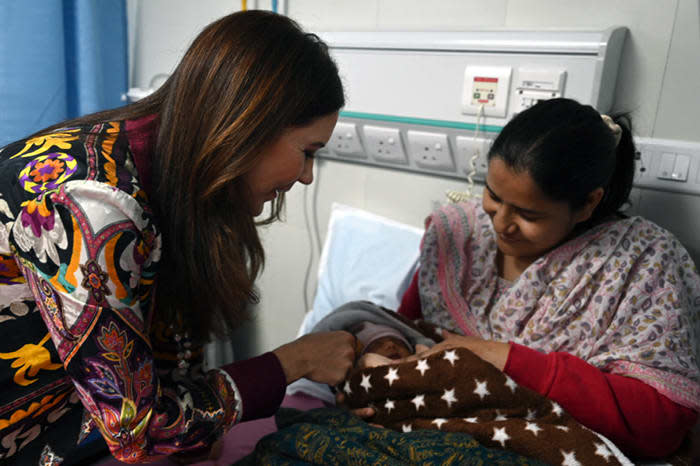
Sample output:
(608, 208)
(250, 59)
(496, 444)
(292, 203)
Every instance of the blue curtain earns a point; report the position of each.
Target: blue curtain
(59, 59)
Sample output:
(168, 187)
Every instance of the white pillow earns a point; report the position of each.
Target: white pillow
(365, 257)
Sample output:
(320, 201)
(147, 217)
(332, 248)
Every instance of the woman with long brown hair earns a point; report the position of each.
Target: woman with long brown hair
(129, 237)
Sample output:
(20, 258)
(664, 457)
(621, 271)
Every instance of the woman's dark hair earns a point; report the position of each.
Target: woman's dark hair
(245, 79)
(569, 151)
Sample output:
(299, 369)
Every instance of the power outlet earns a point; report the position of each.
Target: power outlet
(473, 150)
(430, 150)
(384, 144)
(346, 141)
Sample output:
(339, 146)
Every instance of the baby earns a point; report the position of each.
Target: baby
(380, 344)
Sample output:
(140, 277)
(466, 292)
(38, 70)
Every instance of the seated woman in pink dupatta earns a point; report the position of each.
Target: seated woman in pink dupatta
(549, 282)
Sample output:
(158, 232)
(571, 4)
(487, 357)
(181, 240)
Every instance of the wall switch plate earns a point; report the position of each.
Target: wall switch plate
(667, 165)
(473, 150)
(384, 144)
(430, 150)
(345, 141)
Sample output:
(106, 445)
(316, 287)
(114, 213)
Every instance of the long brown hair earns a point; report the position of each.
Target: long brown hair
(246, 77)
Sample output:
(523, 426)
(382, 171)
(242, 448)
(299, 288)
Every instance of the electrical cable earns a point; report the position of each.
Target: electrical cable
(477, 152)
(455, 196)
(244, 5)
(312, 230)
(307, 272)
(314, 205)
(274, 6)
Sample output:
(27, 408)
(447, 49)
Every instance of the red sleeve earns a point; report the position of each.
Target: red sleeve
(410, 302)
(632, 414)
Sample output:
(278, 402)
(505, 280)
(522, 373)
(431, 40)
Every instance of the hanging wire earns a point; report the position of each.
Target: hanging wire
(309, 263)
(313, 232)
(244, 5)
(455, 196)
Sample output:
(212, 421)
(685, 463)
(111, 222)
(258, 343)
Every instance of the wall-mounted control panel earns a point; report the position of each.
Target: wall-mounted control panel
(432, 102)
(474, 76)
(486, 90)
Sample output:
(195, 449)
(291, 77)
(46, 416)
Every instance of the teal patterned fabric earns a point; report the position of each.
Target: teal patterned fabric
(334, 436)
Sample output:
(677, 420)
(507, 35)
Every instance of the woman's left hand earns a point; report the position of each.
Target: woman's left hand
(493, 352)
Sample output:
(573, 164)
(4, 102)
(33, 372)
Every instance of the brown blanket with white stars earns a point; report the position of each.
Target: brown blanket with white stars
(455, 390)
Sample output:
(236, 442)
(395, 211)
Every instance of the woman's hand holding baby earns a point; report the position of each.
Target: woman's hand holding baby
(324, 357)
(493, 352)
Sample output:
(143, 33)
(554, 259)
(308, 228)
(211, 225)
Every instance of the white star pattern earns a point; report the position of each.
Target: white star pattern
(556, 409)
(500, 435)
(365, 382)
(449, 397)
(570, 459)
(500, 417)
(564, 428)
(419, 401)
(422, 366)
(392, 375)
(471, 420)
(510, 383)
(530, 415)
(346, 388)
(389, 405)
(407, 427)
(451, 356)
(602, 450)
(532, 427)
(481, 389)
(439, 422)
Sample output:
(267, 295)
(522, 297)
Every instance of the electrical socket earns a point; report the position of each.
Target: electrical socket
(384, 144)
(468, 148)
(345, 140)
(430, 150)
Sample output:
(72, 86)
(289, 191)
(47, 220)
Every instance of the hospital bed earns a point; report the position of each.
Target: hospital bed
(366, 256)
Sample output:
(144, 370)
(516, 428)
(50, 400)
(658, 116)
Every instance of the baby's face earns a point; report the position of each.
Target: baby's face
(389, 347)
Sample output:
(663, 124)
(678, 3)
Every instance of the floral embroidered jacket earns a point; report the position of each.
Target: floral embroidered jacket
(79, 345)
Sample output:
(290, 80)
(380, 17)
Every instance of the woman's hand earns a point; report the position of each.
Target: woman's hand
(493, 352)
(323, 357)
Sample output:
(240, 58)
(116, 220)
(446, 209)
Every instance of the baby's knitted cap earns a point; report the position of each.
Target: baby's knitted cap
(368, 332)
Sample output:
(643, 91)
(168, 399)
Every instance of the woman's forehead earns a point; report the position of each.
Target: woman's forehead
(518, 189)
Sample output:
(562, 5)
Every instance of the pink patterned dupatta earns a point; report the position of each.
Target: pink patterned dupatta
(624, 296)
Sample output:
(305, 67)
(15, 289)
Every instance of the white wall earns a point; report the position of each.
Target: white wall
(659, 82)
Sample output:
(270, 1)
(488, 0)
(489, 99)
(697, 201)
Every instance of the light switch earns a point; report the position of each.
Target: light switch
(666, 166)
(680, 168)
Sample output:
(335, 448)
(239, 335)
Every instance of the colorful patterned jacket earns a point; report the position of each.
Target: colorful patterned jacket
(80, 347)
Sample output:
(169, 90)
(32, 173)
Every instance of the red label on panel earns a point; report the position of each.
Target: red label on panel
(485, 80)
